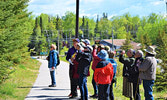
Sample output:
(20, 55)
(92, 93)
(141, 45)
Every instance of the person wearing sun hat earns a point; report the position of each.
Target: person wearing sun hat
(103, 75)
(147, 72)
(84, 58)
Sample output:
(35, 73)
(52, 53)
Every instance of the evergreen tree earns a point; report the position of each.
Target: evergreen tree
(87, 30)
(161, 77)
(127, 44)
(83, 28)
(97, 26)
(15, 29)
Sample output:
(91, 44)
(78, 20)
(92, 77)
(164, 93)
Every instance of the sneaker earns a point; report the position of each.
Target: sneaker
(94, 96)
(52, 85)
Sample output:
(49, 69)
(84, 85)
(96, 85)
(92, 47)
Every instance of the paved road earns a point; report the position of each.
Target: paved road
(41, 91)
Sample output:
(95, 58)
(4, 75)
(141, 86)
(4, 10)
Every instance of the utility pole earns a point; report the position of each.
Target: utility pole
(58, 42)
(112, 40)
(166, 6)
(77, 19)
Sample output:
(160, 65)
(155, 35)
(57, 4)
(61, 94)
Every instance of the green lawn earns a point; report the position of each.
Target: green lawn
(19, 83)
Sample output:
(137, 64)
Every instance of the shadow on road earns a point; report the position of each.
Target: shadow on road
(50, 97)
(33, 87)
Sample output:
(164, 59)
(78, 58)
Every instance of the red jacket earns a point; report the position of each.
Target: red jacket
(96, 59)
(74, 70)
(103, 73)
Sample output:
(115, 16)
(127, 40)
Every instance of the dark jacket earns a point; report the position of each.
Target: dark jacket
(84, 59)
(134, 71)
(70, 52)
(128, 62)
(103, 73)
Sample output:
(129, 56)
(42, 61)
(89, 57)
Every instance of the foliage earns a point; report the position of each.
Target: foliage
(161, 81)
(127, 44)
(15, 28)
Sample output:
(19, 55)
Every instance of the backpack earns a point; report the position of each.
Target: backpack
(58, 60)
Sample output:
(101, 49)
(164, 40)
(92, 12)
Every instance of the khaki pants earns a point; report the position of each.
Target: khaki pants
(127, 88)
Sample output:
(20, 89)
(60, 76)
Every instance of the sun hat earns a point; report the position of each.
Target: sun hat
(86, 41)
(107, 48)
(76, 39)
(90, 48)
(103, 54)
(80, 45)
(150, 50)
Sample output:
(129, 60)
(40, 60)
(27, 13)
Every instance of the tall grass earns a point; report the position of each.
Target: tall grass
(19, 83)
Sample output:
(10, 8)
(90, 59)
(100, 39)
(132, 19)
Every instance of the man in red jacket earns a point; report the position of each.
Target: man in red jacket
(103, 75)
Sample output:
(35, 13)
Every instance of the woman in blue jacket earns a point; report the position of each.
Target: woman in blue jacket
(52, 62)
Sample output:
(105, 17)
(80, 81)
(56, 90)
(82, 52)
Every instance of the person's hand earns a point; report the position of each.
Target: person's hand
(72, 59)
(95, 46)
(123, 52)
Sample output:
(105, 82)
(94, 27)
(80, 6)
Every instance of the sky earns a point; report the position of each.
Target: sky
(92, 8)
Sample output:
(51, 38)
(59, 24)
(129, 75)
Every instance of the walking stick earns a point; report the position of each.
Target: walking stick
(136, 88)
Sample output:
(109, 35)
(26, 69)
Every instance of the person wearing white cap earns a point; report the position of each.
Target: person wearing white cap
(86, 41)
(147, 72)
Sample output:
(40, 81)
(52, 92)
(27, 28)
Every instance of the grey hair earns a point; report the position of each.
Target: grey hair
(132, 51)
(140, 53)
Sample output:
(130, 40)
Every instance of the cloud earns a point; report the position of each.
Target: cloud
(92, 8)
(31, 1)
(92, 1)
(156, 3)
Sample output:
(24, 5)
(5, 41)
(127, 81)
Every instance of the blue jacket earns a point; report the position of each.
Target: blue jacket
(114, 64)
(53, 59)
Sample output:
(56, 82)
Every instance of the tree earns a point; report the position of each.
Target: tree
(161, 79)
(97, 30)
(127, 44)
(15, 28)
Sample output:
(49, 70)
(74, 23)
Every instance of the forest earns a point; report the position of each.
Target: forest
(23, 34)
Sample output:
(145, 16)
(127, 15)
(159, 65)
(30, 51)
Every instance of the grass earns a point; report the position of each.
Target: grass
(19, 83)
(118, 89)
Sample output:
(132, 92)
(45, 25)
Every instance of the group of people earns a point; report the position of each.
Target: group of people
(137, 69)
(101, 59)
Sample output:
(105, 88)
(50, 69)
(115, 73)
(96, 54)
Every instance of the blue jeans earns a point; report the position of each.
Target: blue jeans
(111, 95)
(94, 85)
(103, 91)
(83, 87)
(148, 90)
(53, 80)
